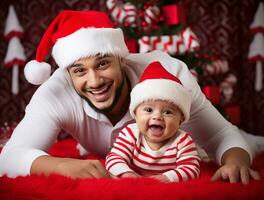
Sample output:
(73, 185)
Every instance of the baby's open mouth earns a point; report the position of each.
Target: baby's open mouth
(156, 130)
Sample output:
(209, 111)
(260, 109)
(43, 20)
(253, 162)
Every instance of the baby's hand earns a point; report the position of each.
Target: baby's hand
(161, 178)
(129, 175)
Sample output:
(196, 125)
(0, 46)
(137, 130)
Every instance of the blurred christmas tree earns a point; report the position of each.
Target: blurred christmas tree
(163, 25)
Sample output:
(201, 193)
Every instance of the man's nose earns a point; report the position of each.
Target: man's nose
(93, 79)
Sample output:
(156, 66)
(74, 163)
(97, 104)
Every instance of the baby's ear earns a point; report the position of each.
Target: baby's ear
(182, 118)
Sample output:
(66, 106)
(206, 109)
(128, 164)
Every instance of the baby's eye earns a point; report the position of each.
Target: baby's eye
(148, 109)
(167, 112)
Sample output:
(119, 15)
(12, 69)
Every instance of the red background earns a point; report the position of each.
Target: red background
(221, 26)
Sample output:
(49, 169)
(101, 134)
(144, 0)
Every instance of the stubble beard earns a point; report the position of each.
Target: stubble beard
(118, 92)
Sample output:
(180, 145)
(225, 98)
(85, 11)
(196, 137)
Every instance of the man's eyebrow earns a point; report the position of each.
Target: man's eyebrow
(99, 56)
(75, 65)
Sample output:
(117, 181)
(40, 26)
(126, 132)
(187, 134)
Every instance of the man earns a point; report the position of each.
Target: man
(88, 97)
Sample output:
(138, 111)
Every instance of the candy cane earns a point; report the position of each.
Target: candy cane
(151, 15)
(144, 44)
(123, 13)
(227, 85)
(116, 12)
(172, 44)
(190, 40)
(130, 14)
(217, 67)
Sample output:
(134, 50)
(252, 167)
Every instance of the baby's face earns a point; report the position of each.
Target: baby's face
(158, 121)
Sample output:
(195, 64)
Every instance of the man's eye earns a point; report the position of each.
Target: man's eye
(148, 109)
(78, 70)
(103, 64)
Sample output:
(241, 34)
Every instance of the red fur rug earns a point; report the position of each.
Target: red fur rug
(58, 187)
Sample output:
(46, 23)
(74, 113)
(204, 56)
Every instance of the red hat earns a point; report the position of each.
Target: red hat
(156, 83)
(73, 35)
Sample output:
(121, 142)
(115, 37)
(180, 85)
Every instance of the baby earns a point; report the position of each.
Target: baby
(154, 146)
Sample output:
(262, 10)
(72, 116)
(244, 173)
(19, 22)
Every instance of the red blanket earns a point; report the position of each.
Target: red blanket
(58, 187)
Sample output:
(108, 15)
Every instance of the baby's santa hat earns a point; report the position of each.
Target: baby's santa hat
(156, 83)
(73, 35)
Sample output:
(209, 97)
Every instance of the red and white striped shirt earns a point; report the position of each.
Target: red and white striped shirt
(178, 159)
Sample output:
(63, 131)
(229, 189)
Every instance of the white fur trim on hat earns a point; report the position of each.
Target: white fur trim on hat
(88, 42)
(37, 72)
(161, 89)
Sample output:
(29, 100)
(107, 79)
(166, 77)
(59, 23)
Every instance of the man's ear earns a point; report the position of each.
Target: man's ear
(121, 61)
(124, 61)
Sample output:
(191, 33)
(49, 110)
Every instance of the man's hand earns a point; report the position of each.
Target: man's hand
(76, 168)
(73, 168)
(236, 167)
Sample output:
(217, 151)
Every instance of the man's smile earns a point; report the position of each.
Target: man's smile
(100, 93)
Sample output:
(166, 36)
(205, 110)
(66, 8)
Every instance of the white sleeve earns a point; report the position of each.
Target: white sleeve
(211, 130)
(206, 125)
(31, 138)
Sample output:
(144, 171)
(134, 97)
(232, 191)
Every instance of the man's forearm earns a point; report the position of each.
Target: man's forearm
(46, 165)
(70, 167)
(236, 155)
(236, 167)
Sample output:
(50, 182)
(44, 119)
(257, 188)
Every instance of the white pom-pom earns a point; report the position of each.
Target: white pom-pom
(36, 72)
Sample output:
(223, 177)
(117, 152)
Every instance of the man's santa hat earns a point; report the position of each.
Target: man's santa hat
(156, 83)
(73, 35)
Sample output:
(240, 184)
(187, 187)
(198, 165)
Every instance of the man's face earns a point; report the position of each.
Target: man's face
(98, 79)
